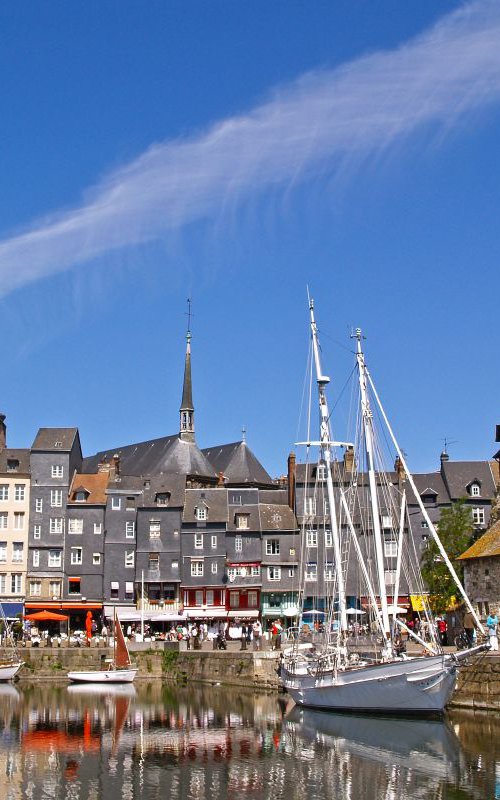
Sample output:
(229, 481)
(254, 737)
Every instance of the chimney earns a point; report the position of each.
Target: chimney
(103, 466)
(116, 465)
(220, 479)
(3, 432)
(399, 470)
(349, 461)
(291, 481)
(444, 457)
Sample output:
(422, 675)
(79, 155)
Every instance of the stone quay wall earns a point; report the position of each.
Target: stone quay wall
(251, 669)
(478, 685)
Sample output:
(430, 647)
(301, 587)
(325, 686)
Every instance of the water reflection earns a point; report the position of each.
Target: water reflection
(151, 741)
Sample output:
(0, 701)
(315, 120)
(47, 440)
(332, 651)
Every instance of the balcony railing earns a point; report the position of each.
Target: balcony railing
(161, 606)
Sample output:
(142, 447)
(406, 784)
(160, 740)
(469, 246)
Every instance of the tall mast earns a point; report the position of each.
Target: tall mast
(369, 447)
(325, 445)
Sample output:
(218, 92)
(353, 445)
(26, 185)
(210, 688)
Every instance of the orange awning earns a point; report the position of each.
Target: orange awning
(64, 606)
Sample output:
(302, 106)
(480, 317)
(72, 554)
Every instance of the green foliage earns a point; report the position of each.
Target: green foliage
(456, 531)
(169, 660)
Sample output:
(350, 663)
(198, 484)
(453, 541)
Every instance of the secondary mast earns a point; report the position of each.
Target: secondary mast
(369, 447)
(325, 445)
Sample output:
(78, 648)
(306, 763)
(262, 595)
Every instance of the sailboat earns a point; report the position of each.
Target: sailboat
(118, 671)
(10, 663)
(367, 510)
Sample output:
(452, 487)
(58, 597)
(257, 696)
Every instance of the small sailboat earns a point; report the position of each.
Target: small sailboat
(365, 520)
(10, 663)
(118, 671)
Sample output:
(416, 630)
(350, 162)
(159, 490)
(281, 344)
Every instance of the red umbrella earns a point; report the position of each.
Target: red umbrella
(46, 615)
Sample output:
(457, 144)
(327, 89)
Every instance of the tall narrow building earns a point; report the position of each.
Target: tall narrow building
(14, 516)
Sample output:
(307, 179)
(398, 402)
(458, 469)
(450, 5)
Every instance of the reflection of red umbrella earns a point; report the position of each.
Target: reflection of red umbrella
(88, 625)
(46, 615)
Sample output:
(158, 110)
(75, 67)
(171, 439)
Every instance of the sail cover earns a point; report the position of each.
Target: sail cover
(122, 658)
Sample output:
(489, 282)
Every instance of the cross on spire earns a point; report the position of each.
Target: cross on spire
(189, 315)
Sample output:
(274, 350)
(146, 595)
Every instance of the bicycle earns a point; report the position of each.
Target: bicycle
(462, 641)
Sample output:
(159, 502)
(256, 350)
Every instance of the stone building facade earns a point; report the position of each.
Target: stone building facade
(482, 572)
(14, 521)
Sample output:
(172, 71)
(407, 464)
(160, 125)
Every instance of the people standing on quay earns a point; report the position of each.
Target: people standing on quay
(442, 630)
(276, 635)
(257, 635)
(492, 625)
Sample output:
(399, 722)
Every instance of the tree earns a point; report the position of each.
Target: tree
(456, 531)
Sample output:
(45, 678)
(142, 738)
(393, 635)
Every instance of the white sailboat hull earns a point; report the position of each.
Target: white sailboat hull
(9, 671)
(103, 676)
(411, 686)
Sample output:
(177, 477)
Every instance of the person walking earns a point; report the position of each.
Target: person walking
(469, 627)
(492, 625)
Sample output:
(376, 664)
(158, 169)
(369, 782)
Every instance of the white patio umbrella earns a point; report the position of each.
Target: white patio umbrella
(354, 611)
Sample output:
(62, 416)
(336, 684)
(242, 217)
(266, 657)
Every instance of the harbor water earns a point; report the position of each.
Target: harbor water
(154, 741)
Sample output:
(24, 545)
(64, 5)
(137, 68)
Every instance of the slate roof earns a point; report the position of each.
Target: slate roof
(308, 471)
(238, 464)
(276, 517)
(95, 485)
(172, 455)
(10, 454)
(450, 484)
(214, 499)
(187, 387)
(174, 485)
(126, 483)
(487, 545)
(169, 454)
(279, 496)
(252, 512)
(47, 438)
(432, 481)
(459, 474)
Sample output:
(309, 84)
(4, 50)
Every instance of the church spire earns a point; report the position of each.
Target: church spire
(186, 430)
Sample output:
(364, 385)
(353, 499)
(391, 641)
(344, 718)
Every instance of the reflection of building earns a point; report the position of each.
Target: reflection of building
(14, 517)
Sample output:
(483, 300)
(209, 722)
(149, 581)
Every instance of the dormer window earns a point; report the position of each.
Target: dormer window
(81, 496)
(242, 521)
(321, 472)
(162, 499)
(201, 513)
(428, 497)
(12, 465)
(475, 489)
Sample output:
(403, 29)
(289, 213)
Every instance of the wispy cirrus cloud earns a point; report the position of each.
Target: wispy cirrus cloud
(315, 124)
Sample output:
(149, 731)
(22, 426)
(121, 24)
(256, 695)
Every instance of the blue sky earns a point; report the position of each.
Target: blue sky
(237, 152)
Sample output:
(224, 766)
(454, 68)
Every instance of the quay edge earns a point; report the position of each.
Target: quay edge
(478, 685)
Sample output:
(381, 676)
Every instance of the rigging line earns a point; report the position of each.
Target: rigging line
(335, 341)
(342, 392)
(307, 379)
